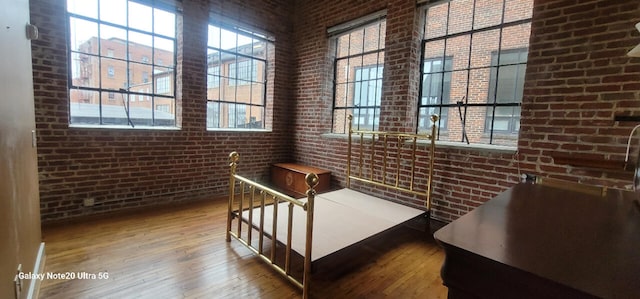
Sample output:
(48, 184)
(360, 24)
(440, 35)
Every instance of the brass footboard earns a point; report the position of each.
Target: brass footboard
(255, 195)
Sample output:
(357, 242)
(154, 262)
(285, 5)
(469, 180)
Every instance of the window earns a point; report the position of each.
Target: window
(115, 44)
(358, 69)
(475, 65)
(237, 65)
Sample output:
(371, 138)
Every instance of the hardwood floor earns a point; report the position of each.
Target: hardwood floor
(180, 252)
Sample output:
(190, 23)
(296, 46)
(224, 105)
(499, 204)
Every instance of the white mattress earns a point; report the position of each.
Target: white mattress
(341, 218)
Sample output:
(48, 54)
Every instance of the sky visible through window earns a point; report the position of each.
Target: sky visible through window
(142, 17)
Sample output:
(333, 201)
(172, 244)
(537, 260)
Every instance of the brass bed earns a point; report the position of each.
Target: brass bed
(279, 228)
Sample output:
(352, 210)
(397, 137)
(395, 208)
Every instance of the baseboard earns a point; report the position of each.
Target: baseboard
(34, 285)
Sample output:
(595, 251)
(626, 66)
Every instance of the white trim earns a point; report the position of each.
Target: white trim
(489, 148)
(34, 284)
(223, 21)
(431, 2)
(344, 27)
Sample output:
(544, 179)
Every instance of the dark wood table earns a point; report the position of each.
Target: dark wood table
(534, 241)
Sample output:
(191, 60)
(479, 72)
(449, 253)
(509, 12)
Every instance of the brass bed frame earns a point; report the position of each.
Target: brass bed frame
(246, 195)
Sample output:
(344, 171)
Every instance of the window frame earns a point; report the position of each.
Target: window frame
(223, 120)
(464, 104)
(149, 118)
(335, 35)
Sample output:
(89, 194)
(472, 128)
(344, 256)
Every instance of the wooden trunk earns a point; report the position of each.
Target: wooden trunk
(290, 178)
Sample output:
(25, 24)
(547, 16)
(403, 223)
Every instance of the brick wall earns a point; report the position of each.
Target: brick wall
(132, 168)
(578, 78)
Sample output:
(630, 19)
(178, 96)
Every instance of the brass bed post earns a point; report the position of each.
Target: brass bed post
(348, 182)
(312, 181)
(234, 157)
(432, 155)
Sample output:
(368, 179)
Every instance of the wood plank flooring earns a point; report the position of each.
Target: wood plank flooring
(180, 252)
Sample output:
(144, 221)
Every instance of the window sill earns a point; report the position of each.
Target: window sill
(114, 127)
(231, 130)
(501, 149)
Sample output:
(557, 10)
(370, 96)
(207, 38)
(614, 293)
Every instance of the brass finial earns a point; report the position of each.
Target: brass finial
(434, 118)
(350, 117)
(312, 181)
(234, 157)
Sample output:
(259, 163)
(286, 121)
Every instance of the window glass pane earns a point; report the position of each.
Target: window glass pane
(213, 114)
(229, 92)
(213, 77)
(245, 44)
(433, 49)
(114, 74)
(140, 16)
(341, 95)
(164, 23)
(458, 47)
(258, 70)
(114, 112)
(356, 44)
(487, 13)
(140, 47)
(228, 40)
(84, 107)
(483, 44)
(460, 16)
(257, 93)
(255, 118)
(83, 68)
(82, 36)
(164, 51)
(113, 42)
(88, 8)
(139, 76)
(436, 21)
(518, 10)
(518, 38)
(114, 11)
(342, 48)
(259, 49)
(164, 114)
(213, 39)
(164, 84)
(371, 37)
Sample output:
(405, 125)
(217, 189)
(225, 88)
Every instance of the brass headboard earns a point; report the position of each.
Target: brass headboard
(390, 160)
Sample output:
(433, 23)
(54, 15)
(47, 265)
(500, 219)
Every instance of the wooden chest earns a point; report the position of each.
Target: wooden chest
(289, 177)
